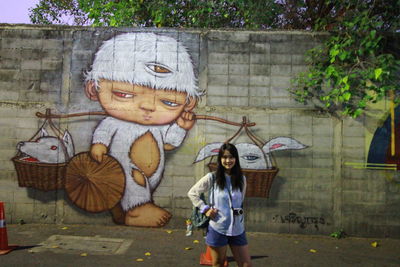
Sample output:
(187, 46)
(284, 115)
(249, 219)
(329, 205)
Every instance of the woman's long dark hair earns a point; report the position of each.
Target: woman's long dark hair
(236, 171)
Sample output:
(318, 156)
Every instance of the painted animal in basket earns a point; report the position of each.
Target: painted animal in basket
(47, 149)
(250, 155)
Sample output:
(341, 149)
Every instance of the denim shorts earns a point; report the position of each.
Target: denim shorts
(215, 239)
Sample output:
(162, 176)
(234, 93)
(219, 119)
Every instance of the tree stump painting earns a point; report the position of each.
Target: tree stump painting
(92, 186)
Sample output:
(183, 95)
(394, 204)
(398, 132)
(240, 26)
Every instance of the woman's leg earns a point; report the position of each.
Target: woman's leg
(218, 255)
(241, 255)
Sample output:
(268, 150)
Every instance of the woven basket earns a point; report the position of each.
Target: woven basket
(42, 176)
(259, 182)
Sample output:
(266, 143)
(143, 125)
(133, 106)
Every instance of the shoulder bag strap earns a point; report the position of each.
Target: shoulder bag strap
(230, 197)
(211, 192)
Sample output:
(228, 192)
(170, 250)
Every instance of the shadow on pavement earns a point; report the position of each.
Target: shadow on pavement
(26, 247)
(231, 259)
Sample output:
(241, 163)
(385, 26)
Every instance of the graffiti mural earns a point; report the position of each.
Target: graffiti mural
(384, 150)
(251, 155)
(41, 161)
(47, 148)
(147, 89)
(302, 221)
(255, 159)
(380, 150)
(146, 86)
(382, 141)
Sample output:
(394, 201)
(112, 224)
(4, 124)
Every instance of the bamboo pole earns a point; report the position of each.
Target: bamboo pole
(48, 114)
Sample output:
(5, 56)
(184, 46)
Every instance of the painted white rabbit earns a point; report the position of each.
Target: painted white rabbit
(250, 155)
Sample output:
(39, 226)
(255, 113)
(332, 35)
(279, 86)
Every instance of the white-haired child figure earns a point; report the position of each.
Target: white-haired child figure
(146, 84)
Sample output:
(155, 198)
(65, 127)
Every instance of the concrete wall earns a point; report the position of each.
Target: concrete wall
(244, 74)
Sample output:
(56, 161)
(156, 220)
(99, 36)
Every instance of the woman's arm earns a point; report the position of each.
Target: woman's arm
(244, 187)
(202, 186)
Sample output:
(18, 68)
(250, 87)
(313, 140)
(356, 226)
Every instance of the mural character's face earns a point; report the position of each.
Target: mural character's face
(228, 160)
(141, 104)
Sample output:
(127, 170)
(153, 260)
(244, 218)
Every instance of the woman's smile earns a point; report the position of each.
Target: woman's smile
(228, 161)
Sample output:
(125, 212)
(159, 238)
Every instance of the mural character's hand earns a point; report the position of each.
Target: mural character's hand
(97, 151)
(186, 120)
(212, 212)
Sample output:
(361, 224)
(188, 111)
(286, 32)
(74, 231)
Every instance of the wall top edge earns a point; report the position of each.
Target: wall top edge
(4, 26)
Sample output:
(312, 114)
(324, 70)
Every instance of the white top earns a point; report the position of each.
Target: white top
(225, 222)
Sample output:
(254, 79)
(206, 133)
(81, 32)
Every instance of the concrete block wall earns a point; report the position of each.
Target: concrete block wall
(243, 73)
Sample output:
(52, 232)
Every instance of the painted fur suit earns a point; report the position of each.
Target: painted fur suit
(146, 84)
(120, 137)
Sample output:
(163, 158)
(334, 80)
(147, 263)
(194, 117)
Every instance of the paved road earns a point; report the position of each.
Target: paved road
(94, 245)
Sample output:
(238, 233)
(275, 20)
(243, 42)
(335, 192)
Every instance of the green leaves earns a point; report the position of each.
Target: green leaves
(331, 15)
(351, 66)
(338, 234)
(333, 53)
(58, 12)
(158, 13)
(378, 73)
(344, 72)
(346, 96)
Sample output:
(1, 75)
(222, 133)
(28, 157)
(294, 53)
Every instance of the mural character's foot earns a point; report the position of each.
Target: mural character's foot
(118, 214)
(147, 215)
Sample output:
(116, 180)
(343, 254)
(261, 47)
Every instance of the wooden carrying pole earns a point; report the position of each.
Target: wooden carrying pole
(48, 114)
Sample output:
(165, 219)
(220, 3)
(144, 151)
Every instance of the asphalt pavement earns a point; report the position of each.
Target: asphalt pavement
(96, 245)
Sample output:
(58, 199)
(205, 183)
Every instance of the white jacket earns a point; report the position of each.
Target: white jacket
(225, 222)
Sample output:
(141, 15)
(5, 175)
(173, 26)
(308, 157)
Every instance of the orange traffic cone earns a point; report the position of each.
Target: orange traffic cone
(4, 247)
(206, 259)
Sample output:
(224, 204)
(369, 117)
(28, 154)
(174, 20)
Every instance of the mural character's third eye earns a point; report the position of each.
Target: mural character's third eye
(146, 84)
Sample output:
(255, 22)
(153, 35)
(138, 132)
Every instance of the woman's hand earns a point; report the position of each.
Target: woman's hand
(212, 212)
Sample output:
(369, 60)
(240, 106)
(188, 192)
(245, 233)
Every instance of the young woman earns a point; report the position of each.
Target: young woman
(227, 188)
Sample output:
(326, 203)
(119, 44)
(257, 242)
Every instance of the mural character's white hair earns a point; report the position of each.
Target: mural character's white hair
(145, 59)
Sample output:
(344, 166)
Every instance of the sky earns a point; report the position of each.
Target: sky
(16, 11)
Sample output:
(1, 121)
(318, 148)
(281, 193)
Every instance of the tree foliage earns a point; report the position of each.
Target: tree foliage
(183, 13)
(350, 69)
(247, 14)
(58, 12)
(162, 13)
